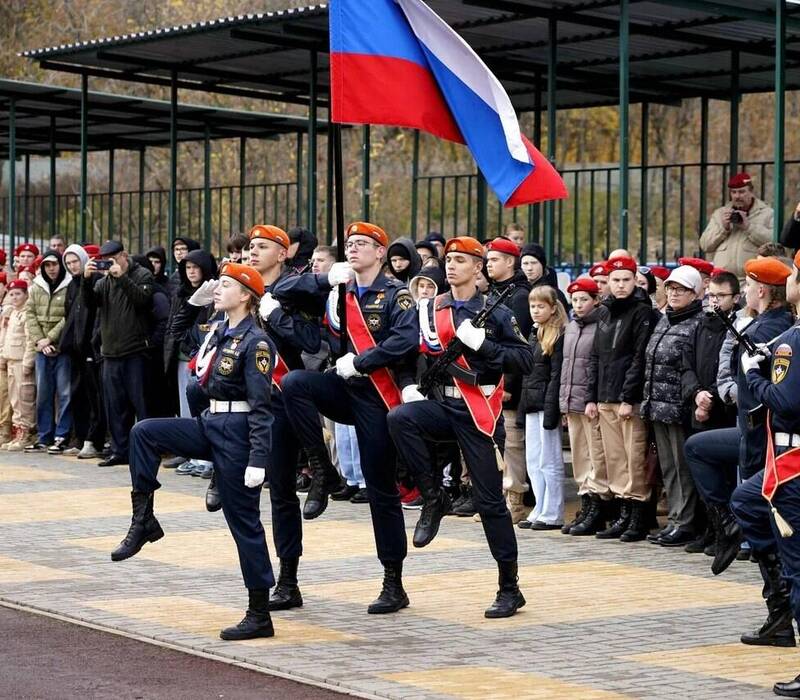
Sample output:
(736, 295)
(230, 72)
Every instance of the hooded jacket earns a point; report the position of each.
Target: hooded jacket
(175, 277)
(434, 274)
(578, 343)
(159, 252)
(308, 242)
(79, 315)
(45, 310)
(404, 247)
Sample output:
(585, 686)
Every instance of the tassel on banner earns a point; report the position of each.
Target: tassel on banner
(783, 527)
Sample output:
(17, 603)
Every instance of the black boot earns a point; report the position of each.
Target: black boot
(778, 628)
(324, 480)
(586, 500)
(435, 505)
(702, 542)
(509, 598)
(593, 519)
(620, 525)
(392, 596)
(287, 593)
(256, 621)
(466, 508)
(144, 527)
(213, 503)
(790, 689)
(728, 537)
(637, 527)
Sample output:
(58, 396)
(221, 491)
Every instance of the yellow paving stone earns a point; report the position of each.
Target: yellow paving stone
(481, 683)
(330, 539)
(18, 571)
(736, 662)
(555, 593)
(84, 503)
(207, 619)
(12, 473)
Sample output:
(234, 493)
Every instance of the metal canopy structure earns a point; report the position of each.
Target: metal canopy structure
(676, 49)
(48, 118)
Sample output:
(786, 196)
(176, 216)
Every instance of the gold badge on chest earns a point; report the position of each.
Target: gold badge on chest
(374, 322)
(225, 366)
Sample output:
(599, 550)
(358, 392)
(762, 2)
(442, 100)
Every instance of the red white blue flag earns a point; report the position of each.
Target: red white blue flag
(397, 63)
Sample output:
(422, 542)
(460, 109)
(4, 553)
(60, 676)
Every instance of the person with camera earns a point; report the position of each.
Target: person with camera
(736, 230)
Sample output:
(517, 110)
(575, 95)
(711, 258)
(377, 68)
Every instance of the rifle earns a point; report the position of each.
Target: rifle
(440, 369)
(745, 342)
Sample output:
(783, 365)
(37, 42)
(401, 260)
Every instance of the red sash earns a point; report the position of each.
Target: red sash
(485, 410)
(362, 340)
(778, 470)
(280, 370)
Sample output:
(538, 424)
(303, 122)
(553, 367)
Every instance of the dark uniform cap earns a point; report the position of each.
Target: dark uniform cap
(111, 248)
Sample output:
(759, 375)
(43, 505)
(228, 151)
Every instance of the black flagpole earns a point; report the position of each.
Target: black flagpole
(338, 179)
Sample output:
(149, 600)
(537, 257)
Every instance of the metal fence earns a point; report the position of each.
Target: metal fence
(139, 220)
(671, 203)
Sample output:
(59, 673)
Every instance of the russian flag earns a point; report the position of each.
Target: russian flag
(396, 62)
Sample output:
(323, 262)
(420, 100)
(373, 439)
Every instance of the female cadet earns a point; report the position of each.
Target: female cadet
(234, 366)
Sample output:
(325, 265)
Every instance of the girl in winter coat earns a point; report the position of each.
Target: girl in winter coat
(539, 408)
(585, 441)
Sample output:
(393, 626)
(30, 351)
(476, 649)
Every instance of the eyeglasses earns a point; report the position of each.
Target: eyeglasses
(677, 291)
(180, 249)
(359, 245)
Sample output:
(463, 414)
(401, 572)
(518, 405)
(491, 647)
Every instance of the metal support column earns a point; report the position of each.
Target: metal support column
(365, 174)
(207, 188)
(141, 197)
(415, 186)
(780, 115)
(329, 183)
(111, 194)
(298, 161)
(645, 146)
(482, 208)
(734, 119)
(552, 59)
(534, 217)
(51, 208)
(311, 215)
(243, 182)
(26, 198)
(84, 155)
(12, 173)
(701, 223)
(172, 215)
(624, 99)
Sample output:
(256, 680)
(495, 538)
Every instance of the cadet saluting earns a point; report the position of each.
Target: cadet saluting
(234, 366)
(467, 413)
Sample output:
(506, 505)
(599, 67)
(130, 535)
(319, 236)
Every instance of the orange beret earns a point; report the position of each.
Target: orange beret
(364, 228)
(464, 244)
(504, 245)
(704, 267)
(621, 262)
(583, 284)
(767, 271)
(270, 233)
(598, 269)
(244, 275)
(739, 180)
(797, 259)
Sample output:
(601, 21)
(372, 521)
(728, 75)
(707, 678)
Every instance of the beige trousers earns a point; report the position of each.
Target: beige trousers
(625, 446)
(22, 394)
(5, 403)
(515, 472)
(588, 457)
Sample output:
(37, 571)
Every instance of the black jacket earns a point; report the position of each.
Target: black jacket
(125, 306)
(616, 368)
(161, 278)
(76, 338)
(790, 236)
(405, 248)
(699, 365)
(540, 388)
(175, 277)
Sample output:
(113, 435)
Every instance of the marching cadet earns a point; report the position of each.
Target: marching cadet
(382, 333)
(469, 414)
(234, 365)
(767, 505)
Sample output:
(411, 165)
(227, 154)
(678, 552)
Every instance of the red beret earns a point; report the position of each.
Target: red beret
(18, 284)
(30, 269)
(704, 267)
(622, 262)
(3, 257)
(270, 233)
(3, 277)
(364, 228)
(598, 269)
(583, 284)
(797, 259)
(464, 244)
(26, 247)
(503, 245)
(245, 275)
(739, 180)
(767, 271)
(92, 250)
(717, 271)
(659, 271)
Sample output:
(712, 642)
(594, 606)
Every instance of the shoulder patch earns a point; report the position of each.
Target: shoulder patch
(517, 331)
(783, 350)
(263, 360)
(262, 345)
(404, 299)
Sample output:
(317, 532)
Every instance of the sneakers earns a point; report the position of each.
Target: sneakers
(36, 447)
(58, 446)
(185, 469)
(88, 451)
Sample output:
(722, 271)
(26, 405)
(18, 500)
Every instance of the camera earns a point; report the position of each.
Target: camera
(103, 264)
(736, 217)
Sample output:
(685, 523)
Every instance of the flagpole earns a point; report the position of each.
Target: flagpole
(338, 180)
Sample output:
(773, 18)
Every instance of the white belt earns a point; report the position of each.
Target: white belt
(453, 392)
(787, 440)
(229, 406)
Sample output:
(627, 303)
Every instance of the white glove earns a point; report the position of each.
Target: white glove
(340, 273)
(751, 361)
(469, 335)
(254, 477)
(763, 349)
(345, 366)
(204, 295)
(411, 393)
(267, 305)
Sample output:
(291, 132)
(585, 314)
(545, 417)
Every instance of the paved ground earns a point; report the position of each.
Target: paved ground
(603, 620)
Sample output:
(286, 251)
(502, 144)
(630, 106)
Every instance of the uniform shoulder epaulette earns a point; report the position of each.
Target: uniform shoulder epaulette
(404, 299)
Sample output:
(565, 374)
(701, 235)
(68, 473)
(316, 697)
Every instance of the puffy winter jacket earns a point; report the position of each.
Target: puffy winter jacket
(45, 310)
(578, 343)
(540, 387)
(663, 400)
(616, 370)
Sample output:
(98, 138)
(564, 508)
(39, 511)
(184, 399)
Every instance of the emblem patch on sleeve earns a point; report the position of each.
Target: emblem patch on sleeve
(517, 331)
(404, 299)
(780, 368)
(263, 360)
